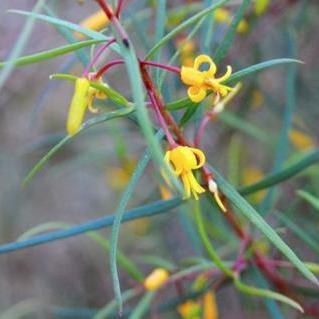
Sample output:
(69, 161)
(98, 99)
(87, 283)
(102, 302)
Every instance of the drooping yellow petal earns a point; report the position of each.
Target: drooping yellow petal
(194, 185)
(226, 75)
(200, 155)
(187, 186)
(184, 160)
(78, 105)
(196, 94)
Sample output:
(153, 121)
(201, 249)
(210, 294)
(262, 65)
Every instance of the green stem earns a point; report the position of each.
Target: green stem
(208, 246)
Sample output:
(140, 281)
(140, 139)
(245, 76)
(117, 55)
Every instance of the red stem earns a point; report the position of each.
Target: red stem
(96, 57)
(170, 68)
(107, 66)
(119, 8)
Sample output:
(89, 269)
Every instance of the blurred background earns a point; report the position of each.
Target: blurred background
(84, 180)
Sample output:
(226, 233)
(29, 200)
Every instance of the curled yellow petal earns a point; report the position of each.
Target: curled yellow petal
(202, 59)
(78, 105)
(196, 94)
(226, 75)
(200, 155)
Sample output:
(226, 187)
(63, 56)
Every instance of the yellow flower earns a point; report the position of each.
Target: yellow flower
(97, 21)
(300, 140)
(156, 279)
(185, 159)
(243, 26)
(210, 306)
(201, 81)
(261, 6)
(222, 16)
(82, 99)
(190, 310)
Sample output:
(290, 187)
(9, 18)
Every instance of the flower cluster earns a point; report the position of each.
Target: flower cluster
(200, 81)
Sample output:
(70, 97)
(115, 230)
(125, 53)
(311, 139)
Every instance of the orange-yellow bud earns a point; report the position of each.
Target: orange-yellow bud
(97, 21)
(156, 279)
(78, 105)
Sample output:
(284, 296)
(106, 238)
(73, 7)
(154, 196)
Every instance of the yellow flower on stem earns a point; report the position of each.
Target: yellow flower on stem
(186, 159)
(261, 6)
(156, 279)
(82, 99)
(210, 306)
(201, 81)
(190, 310)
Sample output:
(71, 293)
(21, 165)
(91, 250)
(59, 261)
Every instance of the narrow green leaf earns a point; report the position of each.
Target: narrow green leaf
(207, 244)
(188, 114)
(246, 127)
(237, 76)
(142, 306)
(22, 309)
(312, 200)
(123, 261)
(118, 220)
(252, 215)
(72, 26)
(184, 25)
(280, 176)
(154, 208)
(265, 293)
(298, 231)
(19, 44)
(49, 54)
(110, 308)
(93, 121)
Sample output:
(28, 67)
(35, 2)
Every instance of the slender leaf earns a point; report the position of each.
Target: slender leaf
(280, 176)
(71, 26)
(20, 44)
(312, 200)
(252, 215)
(265, 293)
(91, 122)
(184, 25)
(158, 207)
(50, 54)
(122, 259)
